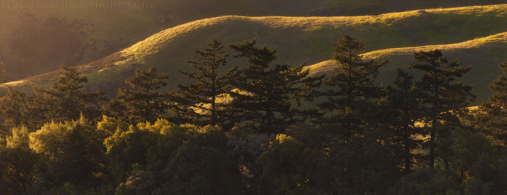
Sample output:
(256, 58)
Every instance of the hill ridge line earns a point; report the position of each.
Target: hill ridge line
(131, 55)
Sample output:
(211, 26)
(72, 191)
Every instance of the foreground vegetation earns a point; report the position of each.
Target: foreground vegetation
(244, 131)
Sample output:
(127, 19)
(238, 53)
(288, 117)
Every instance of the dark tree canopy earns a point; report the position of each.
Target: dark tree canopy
(494, 111)
(442, 92)
(349, 88)
(401, 110)
(146, 103)
(13, 108)
(64, 101)
(265, 92)
(201, 100)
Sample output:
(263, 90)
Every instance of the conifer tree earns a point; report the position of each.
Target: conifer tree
(444, 96)
(146, 103)
(265, 93)
(65, 100)
(402, 109)
(201, 99)
(351, 88)
(492, 117)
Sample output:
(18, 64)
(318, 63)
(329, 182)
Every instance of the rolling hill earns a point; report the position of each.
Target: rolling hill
(474, 35)
(110, 26)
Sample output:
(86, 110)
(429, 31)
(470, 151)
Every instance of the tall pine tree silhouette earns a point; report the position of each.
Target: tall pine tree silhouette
(349, 88)
(200, 101)
(492, 117)
(146, 104)
(444, 96)
(401, 110)
(267, 92)
(66, 100)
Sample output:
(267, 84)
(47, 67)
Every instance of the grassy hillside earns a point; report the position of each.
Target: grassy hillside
(310, 39)
(131, 24)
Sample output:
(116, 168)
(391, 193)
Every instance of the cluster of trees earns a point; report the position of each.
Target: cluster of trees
(244, 131)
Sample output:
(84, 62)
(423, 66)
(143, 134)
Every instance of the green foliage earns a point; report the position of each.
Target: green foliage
(200, 99)
(470, 153)
(127, 147)
(70, 149)
(13, 108)
(477, 187)
(427, 181)
(362, 166)
(287, 165)
(122, 189)
(149, 146)
(146, 104)
(265, 94)
(439, 185)
(109, 126)
(17, 162)
(247, 146)
(202, 165)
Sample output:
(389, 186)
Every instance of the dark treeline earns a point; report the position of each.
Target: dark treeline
(245, 132)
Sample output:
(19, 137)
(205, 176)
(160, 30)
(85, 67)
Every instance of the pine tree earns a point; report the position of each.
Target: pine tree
(351, 88)
(146, 103)
(65, 100)
(266, 94)
(402, 109)
(492, 117)
(201, 99)
(444, 96)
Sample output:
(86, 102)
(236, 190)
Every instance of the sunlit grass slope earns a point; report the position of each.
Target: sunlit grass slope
(310, 39)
